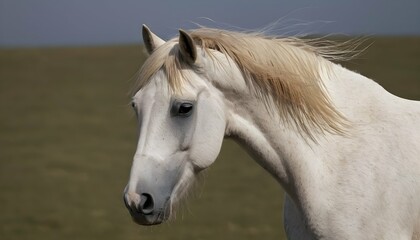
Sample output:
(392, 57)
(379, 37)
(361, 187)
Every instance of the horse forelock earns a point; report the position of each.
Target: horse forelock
(286, 71)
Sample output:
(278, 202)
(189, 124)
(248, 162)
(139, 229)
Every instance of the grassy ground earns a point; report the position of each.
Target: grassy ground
(67, 137)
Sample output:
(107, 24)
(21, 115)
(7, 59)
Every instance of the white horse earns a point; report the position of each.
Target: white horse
(346, 151)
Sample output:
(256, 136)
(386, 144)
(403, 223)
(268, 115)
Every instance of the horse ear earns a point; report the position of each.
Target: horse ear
(187, 46)
(151, 41)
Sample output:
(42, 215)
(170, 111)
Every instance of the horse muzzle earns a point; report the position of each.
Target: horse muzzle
(145, 209)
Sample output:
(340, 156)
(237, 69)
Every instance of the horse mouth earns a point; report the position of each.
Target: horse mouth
(148, 221)
(154, 218)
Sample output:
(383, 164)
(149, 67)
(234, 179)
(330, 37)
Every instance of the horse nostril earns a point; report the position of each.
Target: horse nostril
(146, 203)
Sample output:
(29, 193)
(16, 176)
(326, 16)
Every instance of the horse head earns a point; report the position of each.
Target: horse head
(180, 133)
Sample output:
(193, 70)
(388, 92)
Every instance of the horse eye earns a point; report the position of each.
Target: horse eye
(185, 109)
(133, 104)
(182, 109)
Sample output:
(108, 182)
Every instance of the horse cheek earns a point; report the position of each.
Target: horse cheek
(208, 134)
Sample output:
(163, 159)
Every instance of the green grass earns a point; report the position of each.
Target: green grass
(67, 137)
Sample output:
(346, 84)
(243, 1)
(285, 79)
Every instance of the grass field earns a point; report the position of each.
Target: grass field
(67, 136)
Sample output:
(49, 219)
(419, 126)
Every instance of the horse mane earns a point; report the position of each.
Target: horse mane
(286, 71)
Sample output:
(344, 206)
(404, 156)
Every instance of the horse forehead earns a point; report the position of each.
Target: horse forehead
(158, 86)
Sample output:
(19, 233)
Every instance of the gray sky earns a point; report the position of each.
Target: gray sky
(87, 22)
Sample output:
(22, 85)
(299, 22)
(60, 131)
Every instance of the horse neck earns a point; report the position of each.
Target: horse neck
(295, 162)
(274, 146)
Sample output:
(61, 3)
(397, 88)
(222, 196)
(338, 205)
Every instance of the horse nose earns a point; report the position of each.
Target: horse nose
(142, 203)
(146, 203)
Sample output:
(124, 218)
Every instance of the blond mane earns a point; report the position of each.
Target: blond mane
(284, 71)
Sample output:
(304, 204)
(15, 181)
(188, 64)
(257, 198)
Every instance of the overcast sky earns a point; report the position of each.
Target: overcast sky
(87, 22)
